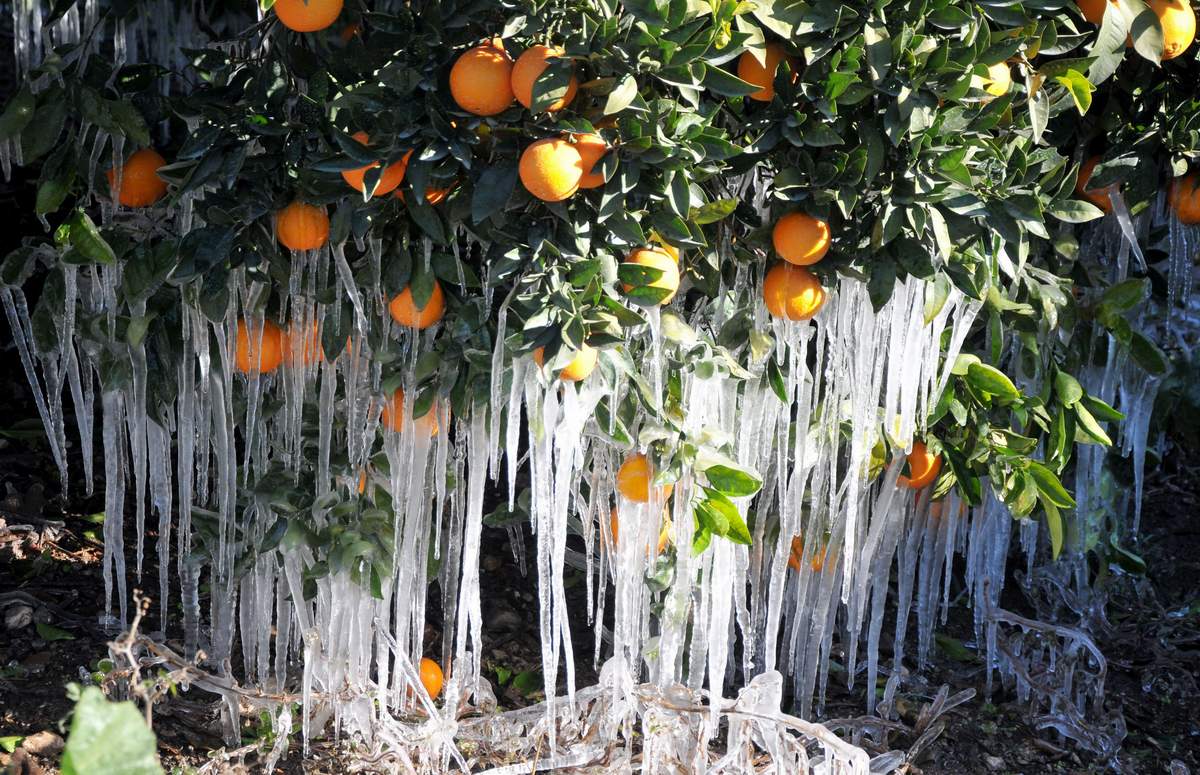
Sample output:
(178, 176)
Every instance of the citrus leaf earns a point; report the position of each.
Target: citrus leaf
(732, 481)
(991, 380)
(1050, 486)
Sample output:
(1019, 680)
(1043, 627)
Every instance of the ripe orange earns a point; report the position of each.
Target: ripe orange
(362, 481)
(1178, 22)
(392, 175)
(792, 292)
(796, 556)
(438, 195)
(393, 415)
(1097, 196)
(923, 467)
(664, 534)
(307, 15)
(1184, 198)
(350, 32)
(670, 250)
(140, 184)
(591, 149)
(998, 80)
(431, 677)
(529, 67)
(405, 312)
(755, 74)
(579, 367)
(433, 194)
(481, 80)
(1093, 10)
(301, 226)
(551, 169)
(633, 479)
(657, 258)
(801, 239)
(266, 352)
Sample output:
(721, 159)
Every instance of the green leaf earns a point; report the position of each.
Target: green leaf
(10, 742)
(553, 83)
(720, 82)
(1054, 526)
(1067, 388)
(1090, 427)
(1050, 487)
(527, 682)
(493, 190)
(713, 211)
(622, 96)
(734, 482)
(108, 737)
(991, 380)
(721, 517)
(1101, 410)
(1147, 354)
(953, 648)
(18, 113)
(1145, 30)
(1074, 211)
(130, 122)
(86, 239)
(1079, 88)
(1128, 561)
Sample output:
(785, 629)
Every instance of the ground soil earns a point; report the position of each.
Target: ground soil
(50, 561)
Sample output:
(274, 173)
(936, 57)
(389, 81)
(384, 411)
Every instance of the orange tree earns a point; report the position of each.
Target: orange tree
(557, 180)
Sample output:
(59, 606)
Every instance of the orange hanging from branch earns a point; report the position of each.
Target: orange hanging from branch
(140, 184)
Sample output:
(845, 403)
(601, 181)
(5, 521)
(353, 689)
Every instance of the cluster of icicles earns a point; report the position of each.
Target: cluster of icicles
(732, 614)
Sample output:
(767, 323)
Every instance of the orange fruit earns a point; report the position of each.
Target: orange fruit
(997, 82)
(266, 352)
(307, 15)
(437, 195)
(405, 312)
(579, 367)
(362, 481)
(796, 556)
(657, 258)
(431, 677)
(670, 250)
(1097, 196)
(551, 169)
(392, 175)
(801, 239)
(529, 67)
(433, 194)
(664, 535)
(481, 80)
(792, 292)
(393, 415)
(140, 184)
(923, 467)
(1093, 10)
(1184, 198)
(301, 226)
(1178, 22)
(633, 479)
(755, 74)
(591, 149)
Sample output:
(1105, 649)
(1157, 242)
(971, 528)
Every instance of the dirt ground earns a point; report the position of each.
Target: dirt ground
(52, 598)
